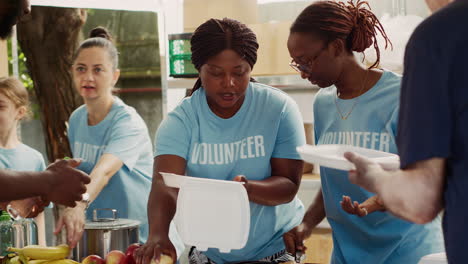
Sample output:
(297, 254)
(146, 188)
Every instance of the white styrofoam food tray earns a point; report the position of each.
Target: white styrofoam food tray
(211, 213)
(332, 156)
(437, 258)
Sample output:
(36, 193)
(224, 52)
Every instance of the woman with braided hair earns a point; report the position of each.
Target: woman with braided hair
(358, 106)
(230, 128)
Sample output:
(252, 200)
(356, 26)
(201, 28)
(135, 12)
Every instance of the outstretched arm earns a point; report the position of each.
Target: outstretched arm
(414, 193)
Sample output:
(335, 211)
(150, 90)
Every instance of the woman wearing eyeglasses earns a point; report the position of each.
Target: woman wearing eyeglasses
(358, 106)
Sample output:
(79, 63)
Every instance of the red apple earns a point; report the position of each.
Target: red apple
(115, 257)
(93, 259)
(129, 253)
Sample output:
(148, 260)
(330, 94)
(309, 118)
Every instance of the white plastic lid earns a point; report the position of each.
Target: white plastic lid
(332, 156)
(211, 213)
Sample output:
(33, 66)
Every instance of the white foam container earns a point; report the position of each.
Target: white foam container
(332, 156)
(437, 258)
(211, 213)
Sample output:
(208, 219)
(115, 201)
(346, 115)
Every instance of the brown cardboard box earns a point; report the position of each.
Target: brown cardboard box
(197, 12)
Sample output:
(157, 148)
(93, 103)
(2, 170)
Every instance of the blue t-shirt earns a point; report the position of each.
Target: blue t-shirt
(268, 125)
(434, 118)
(378, 237)
(123, 134)
(21, 158)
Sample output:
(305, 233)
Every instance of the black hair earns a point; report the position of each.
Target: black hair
(216, 35)
(353, 23)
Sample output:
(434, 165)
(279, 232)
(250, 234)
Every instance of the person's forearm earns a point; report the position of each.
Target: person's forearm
(99, 179)
(316, 211)
(161, 208)
(18, 185)
(414, 194)
(272, 191)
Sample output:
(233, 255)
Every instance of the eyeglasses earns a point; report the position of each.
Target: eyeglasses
(300, 68)
(306, 67)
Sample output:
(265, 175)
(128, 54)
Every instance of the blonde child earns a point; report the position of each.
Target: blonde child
(14, 155)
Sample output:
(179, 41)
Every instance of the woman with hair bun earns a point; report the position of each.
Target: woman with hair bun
(113, 141)
(358, 106)
(230, 128)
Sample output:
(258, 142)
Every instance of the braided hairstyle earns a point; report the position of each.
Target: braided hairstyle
(100, 37)
(216, 35)
(353, 23)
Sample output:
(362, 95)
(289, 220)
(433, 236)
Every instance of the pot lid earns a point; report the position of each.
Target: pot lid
(111, 223)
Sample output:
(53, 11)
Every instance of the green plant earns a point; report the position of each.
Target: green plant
(23, 75)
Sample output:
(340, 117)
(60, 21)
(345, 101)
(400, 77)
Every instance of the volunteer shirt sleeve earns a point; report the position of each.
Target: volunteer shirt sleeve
(126, 140)
(425, 122)
(290, 132)
(172, 137)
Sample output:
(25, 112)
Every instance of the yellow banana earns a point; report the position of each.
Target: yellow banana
(37, 261)
(45, 253)
(15, 260)
(62, 261)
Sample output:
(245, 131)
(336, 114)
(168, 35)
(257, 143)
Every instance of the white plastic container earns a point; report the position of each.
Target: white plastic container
(211, 213)
(437, 258)
(332, 156)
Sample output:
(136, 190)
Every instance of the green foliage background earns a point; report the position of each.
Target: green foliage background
(24, 77)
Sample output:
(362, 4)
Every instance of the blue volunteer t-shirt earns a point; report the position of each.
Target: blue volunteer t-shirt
(123, 134)
(434, 117)
(268, 125)
(21, 158)
(378, 237)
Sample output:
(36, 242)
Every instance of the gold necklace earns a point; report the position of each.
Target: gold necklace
(344, 117)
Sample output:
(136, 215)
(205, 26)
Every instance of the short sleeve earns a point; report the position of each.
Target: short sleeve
(172, 137)
(290, 132)
(127, 139)
(40, 163)
(425, 121)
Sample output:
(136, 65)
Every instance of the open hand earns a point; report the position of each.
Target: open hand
(369, 206)
(73, 219)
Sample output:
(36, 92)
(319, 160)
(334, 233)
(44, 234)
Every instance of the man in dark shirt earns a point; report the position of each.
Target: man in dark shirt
(11, 11)
(433, 131)
(60, 182)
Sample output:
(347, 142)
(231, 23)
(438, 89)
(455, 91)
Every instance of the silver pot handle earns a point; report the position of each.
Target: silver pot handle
(97, 219)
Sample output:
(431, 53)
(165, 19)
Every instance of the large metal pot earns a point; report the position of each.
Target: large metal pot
(102, 235)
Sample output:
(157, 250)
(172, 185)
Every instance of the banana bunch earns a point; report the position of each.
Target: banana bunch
(34, 254)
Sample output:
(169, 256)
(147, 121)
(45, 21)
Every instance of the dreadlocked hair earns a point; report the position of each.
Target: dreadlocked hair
(352, 22)
(216, 35)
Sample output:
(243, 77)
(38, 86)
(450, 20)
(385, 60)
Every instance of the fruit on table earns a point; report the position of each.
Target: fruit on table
(115, 257)
(129, 259)
(15, 260)
(61, 261)
(37, 261)
(164, 259)
(40, 252)
(92, 259)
